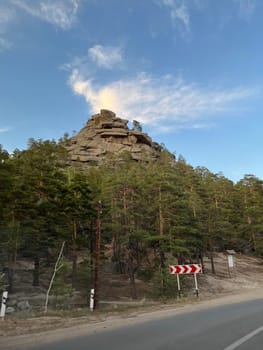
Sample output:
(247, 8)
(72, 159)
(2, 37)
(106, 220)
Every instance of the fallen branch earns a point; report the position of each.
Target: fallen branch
(56, 269)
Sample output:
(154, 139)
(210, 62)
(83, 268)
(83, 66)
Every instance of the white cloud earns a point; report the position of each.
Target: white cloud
(7, 15)
(98, 57)
(246, 8)
(2, 130)
(159, 102)
(179, 12)
(105, 56)
(61, 13)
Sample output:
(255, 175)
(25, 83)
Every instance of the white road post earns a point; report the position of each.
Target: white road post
(230, 261)
(3, 305)
(92, 293)
(196, 285)
(178, 285)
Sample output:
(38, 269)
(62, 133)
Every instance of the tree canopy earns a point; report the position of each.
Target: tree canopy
(152, 213)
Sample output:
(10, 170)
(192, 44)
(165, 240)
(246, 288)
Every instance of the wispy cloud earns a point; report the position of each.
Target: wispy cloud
(98, 58)
(61, 13)
(158, 102)
(7, 16)
(106, 56)
(182, 11)
(179, 12)
(246, 8)
(4, 44)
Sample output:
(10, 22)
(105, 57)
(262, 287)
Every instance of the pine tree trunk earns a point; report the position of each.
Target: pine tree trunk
(212, 263)
(36, 271)
(161, 233)
(10, 277)
(97, 257)
(162, 268)
(12, 255)
(211, 249)
(115, 239)
(133, 285)
(132, 271)
(201, 257)
(91, 248)
(11, 268)
(74, 254)
(161, 220)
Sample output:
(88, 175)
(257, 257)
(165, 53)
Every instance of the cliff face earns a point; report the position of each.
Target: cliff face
(105, 135)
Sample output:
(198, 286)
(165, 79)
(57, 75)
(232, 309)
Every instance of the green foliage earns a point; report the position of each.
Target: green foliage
(137, 126)
(61, 285)
(84, 278)
(164, 285)
(152, 213)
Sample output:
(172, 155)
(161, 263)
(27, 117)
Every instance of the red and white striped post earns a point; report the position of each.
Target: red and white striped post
(186, 269)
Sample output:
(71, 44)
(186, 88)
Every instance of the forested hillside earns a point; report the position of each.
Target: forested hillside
(148, 214)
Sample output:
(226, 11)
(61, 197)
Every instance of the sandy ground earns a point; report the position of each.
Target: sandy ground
(245, 282)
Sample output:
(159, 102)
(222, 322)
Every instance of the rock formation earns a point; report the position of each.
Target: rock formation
(105, 135)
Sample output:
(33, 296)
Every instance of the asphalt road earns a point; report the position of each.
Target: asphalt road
(237, 326)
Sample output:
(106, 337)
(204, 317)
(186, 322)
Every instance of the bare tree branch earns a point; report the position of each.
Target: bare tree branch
(57, 267)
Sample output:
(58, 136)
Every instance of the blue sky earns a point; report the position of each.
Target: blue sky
(191, 71)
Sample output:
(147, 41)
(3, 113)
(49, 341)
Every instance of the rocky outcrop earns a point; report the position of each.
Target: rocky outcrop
(105, 135)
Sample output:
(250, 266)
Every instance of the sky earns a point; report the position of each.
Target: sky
(190, 71)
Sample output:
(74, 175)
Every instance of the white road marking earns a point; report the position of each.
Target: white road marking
(244, 339)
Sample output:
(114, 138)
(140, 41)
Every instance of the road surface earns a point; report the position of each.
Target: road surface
(235, 326)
